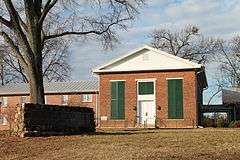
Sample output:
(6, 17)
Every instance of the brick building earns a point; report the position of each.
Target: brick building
(146, 87)
(81, 93)
(152, 88)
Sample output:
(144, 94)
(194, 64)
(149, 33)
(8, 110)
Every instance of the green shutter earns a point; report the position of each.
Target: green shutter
(118, 100)
(175, 99)
(171, 99)
(121, 99)
(145, 88)
(179, 99)
(114, 100)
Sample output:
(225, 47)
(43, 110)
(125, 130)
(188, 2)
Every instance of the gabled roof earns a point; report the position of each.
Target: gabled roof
(231, 95)
(52, 88)
(146, 58)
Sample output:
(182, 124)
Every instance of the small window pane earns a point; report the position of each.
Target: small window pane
(46, 100)
(87, 97)
(24, 99)
(145, 88)
(3, 120)
(4, 101)
(65, 99)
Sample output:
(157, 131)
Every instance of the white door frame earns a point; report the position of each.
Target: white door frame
(145, 97)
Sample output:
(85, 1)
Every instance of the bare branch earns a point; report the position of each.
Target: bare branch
(186, 43)
(23, 24)
(48, 6)
(5, 22)
(17, 28)
(42, 24)
(14, 66)
(85, 32)
(15, 48)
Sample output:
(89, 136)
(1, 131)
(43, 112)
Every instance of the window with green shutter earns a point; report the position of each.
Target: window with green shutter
(175, 99)
(117, 100)
(145, 88)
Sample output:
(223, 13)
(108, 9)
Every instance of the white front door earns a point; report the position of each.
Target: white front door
(147, 112)
(146, 102)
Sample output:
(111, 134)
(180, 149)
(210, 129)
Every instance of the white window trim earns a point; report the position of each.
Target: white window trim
(174, 78)
(83, 100)
(64, 101)
(45, 99)
(146, 80)
(117, 80)
(22, 99)
(152, 96)
(4, 105)
(4, 120)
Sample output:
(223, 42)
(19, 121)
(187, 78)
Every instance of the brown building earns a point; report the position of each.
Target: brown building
(151, 88)
(144, 88)
(81, 93)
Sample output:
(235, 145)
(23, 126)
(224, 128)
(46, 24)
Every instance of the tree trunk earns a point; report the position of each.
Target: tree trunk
(36, 83)
(2, 75)
(35, 73)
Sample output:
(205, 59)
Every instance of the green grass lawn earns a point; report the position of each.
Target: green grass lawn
(139, 144)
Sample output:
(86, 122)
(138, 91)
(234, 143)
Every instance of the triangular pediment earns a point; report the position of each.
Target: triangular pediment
(146, 58)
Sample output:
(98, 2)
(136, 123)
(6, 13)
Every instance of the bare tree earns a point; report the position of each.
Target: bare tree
(7, 71)
(23, 28)
(56, 65)
(219, 85)
(229, 59)
(228, 70)
(187, 43)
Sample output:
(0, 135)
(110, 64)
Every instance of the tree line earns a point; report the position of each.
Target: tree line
(36, 36)
(28, 26)
(190, 44)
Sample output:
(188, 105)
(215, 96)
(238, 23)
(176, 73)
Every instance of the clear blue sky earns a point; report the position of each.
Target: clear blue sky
(218, 18)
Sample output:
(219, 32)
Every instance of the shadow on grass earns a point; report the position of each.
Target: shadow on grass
(122, 133)
(134, 131)
(99, 132)
(102, 132)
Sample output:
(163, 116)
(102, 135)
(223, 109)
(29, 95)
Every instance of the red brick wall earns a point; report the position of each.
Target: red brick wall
(189, 98)
(73, 99)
